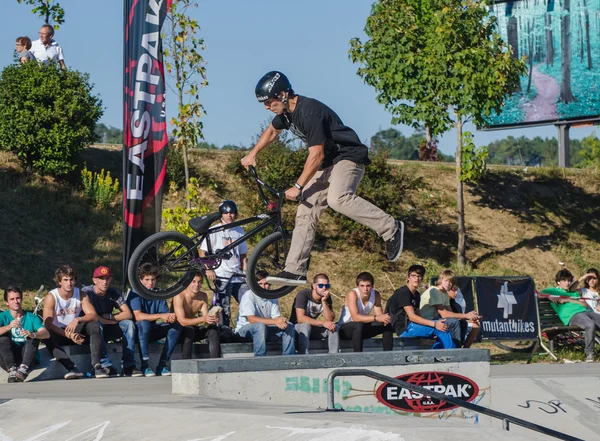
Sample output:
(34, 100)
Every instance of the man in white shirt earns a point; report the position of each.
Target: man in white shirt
(47, 50)
(260, 319)
(227, 279)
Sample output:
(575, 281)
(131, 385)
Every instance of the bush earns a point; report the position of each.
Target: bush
(175, 168)
(177, 218)
(99, 187)
(47, 115)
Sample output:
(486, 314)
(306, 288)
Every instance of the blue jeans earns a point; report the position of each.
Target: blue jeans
(444, 339)
(223, 293)
(150, 331)
(124, 329)
(261, 334)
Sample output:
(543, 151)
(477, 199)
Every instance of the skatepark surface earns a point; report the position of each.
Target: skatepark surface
(561, 397)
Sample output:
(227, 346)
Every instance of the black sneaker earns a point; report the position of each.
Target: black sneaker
(101, 372)
(287, 279)
(112, 372)
(132, 371)
(393, 247)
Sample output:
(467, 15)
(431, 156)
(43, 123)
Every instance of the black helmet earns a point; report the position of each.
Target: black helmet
(271, 85)
(228, 207)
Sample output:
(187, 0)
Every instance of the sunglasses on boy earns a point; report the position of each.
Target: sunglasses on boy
(323, 285)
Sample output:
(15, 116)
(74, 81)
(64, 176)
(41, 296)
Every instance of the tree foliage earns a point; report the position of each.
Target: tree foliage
(438, 63)
(108, 134)
(51, 11)
(533, 152)
(590, 151)
(47, 115)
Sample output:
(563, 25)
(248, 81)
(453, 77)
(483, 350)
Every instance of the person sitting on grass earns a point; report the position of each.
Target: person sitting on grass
(572, 310)
(261, 320)
(20, 335)
(147, 315)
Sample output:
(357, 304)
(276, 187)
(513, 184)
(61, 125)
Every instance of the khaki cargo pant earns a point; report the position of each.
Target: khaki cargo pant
(335, 187)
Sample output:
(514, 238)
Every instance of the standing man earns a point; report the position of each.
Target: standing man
(191, 310)
(403, 308)
(20, 335)
(260, 319)
(363, 317)
(71, 318)
(148, 314)
(308, 306)
(332, 172)
(226, 277)
(46, 49)
(105, 299)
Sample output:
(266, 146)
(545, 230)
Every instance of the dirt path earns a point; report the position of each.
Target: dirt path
(543, 107)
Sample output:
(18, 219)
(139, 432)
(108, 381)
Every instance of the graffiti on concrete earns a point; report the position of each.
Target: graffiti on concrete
(551, 407)
(595, 402)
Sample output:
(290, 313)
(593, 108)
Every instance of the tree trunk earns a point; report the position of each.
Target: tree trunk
(587, 35)
(512, 32)
(184, 147)
(460, 199)
(566, 94)
(47, 12)
(549, 41)
(580, 39)
(427, 134)
(530, 26)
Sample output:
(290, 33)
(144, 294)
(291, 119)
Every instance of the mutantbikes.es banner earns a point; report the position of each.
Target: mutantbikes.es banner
(144, 126)
(508, 308)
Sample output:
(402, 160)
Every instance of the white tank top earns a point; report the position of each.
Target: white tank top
(362, 309)
(65, 311)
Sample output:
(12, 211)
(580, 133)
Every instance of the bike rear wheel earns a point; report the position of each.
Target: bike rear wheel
(515, 346)
(173, 254)
(268, 255)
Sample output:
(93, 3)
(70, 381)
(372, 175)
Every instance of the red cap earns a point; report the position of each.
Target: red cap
(102, 271)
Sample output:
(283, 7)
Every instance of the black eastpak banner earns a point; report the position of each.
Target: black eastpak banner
(144, 127)
(508, 308)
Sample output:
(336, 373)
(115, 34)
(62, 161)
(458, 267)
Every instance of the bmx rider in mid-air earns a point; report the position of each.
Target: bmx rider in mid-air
(334, 168)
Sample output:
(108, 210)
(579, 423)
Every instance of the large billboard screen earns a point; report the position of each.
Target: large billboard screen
(561, 40)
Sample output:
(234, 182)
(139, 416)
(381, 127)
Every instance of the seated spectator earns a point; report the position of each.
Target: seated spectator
(63, 309)
(22, 46)
(226, 277)
(105, 299)
(469, 329)
(435, 305)
(574, 311)
(191, 310)
(147, 315)
(362, 315)
(46, 49)
(590, 289)
(308, 306)
(403, 308)
(20, 335)
(260, 319)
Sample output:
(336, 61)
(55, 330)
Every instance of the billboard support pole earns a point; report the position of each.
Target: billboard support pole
(563, 145)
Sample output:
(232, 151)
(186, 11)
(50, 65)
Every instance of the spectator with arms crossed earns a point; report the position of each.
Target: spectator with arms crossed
(403, 307)
(63, 309)
(20, 335)
(191, 310)
(147, 313)
(260, 319)
(308, 306)
(105, 299)
(227, 283)
(572, 310)
(332, 172)
(363, 317)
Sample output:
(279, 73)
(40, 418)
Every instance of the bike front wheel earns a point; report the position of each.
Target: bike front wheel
(269, 256)
(173, 255)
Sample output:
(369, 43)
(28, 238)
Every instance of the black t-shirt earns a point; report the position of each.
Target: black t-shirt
(312, 309)
(315, 123)
(395, 307)
(104, 305)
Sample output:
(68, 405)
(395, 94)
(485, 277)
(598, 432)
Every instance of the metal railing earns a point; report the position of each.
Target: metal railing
(506, 419)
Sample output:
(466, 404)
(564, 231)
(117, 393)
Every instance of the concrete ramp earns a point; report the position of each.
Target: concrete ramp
(28, 419)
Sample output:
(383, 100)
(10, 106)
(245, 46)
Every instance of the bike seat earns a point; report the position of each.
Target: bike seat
(203, 223)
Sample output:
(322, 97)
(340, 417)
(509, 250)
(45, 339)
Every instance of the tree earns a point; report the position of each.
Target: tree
(47, 115)
(50, 10)
(439, 63)
(590, 151)
(185, 63)
(566, 94)
(396, 144)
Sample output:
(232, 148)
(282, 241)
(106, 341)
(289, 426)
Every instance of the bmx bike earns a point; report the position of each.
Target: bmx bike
(176, 256)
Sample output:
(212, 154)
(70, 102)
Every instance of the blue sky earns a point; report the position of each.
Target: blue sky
(307, 40)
